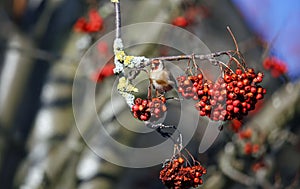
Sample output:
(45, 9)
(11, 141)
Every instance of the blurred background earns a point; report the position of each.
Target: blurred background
(42, 43)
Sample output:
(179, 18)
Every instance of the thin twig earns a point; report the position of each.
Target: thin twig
(189, 153)
(223, 64)
(234, 40)
(238, 63)
(189, 57)
(186, 159)
(118, 19)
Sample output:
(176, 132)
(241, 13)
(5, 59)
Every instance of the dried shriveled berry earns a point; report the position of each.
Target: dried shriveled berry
(179, 176)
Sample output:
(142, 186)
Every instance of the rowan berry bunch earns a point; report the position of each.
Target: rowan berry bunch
(157, 107)
(243, 92)
(178, 175)
(141, 109)
(230, 97)
(94, 23)
(275, 65)
(144, 109)
(251, 149)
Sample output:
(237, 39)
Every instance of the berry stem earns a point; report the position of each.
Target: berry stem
(189, 153)
(238, 63)
(234, 40)
(225, 65)
(186, 159)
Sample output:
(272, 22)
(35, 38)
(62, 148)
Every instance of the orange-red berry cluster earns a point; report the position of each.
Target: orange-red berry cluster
(231, 97)
(177, 176)
(258, 165)
(101, 74)
(250, 148)
(275, 65)
(157, 108)
(93, 24)
(146, 109)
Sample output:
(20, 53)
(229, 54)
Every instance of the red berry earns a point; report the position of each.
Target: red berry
(227, 78)
(194, 89)
(141, 107)
(260, 74)
(250, 70)
(238, 71)
(236, 90)
(243, 76)
(220, 98)
(223, 113)
(135, 108)
(213, 102)
(264, 91)
(207, 107)
(240, 84)
(143, 117)
(229, 88)
(202, 113)
(180, 89)
(247, 88)
(255, 148)
(242, 92)
(144, 102)
(244, 104)
(196, 180)
(248, 148)
(253, 90)
(250, 95)
(259, 79)
(234, 77)
(180, 160)
(180, 21)
(156, 111)
(202, 103)
(236, 110)
(246, 82)
(216, 113)
(260, 90)
(200, 93)
(231, 96)
(259, 96)
(228, 102)
(236, 103)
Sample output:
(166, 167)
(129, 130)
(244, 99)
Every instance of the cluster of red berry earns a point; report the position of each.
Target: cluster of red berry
(245, 136)
(275, 65)
(250, 148)
(177, 176)
(245, 133)
(102, 73)
(93, 24)
(231, 97)
(145, 109)
(157, 107)
(243, 92)
(258, 165)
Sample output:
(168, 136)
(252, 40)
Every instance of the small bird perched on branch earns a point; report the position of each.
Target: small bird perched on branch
(159, 77)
